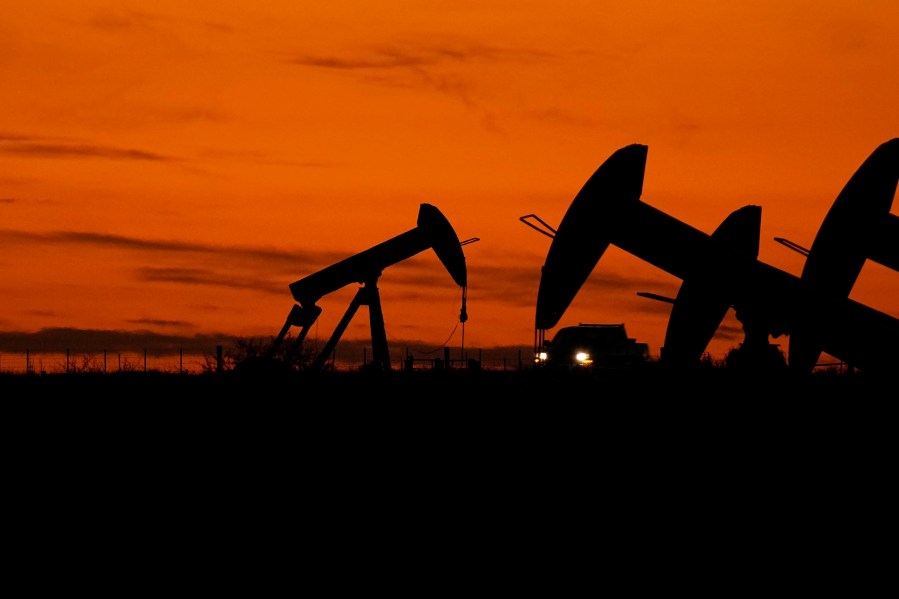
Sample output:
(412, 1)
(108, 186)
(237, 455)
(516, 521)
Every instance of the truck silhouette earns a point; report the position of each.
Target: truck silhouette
(593, 346)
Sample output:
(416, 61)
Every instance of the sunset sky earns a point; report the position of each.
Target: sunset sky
(171, 167)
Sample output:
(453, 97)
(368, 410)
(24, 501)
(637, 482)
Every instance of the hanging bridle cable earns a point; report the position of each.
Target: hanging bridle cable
(463, 316)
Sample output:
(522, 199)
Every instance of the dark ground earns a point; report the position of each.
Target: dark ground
(650, 383)
(625, 403)
(546, 480)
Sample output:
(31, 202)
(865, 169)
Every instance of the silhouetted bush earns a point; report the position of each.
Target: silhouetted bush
(257, 355)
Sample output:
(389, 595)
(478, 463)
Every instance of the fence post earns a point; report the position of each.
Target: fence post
(180, 360)
(67, 360)
(218, 358)
(145, 359)
(27, 361)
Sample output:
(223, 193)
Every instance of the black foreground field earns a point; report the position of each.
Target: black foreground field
(689, 471)
(649, 384)
(485, 421)
(646, 396)
(712, 406)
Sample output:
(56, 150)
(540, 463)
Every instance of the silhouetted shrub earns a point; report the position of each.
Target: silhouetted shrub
(257, 355)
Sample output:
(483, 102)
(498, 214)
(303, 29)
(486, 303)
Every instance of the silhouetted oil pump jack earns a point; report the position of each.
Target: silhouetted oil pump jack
(699, 307)
(433, 230)
(608, 210)
(858, 226)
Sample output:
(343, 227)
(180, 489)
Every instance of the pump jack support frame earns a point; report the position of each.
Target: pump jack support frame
(367, 295)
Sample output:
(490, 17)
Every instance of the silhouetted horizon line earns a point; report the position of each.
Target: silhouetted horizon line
(61, 339)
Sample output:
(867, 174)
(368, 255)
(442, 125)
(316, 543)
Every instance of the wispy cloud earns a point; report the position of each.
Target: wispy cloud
(93, 340)
(101, 239)
(730, 333)
(6, 136)
(416, 55)
(516, 286)
(182, 114)
(62, 150)
(386, 60)
(40, 146)
(291, 260)
(42, 313)
(160, 323)
(265, 270)
(120, 20)
(420, 65)
(555, 116)
(114, 21)
(618, 282)
(7, 200)
(196, 276)
(650, 306)
(245, 156)
(269, 270)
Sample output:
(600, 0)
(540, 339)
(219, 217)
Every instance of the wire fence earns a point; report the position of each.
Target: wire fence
(104, 361)
(220, 358)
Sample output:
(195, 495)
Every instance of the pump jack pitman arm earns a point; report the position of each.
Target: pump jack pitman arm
(433, 230)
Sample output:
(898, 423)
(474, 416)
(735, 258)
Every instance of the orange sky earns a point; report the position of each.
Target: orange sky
(174, 166)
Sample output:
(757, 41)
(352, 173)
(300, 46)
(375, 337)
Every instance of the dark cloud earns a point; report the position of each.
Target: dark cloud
(245, 156)
(417, 65)
(17, 144)
(611, 281)
(290, 261)
(17, 137)
(60, 339)
(651, 306)
(555, 116)
(518, 285)
(384, 61)
(515, 286)
(7, 200)
(100, 240)
(417, 55)
(225, 266)
(42, 313)
(730, 332)
(184, 114)
(160, 323)
(270, 271)
(196, 276)
(64, 150)
(113, 21)
(121, 20)
(426, 276)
